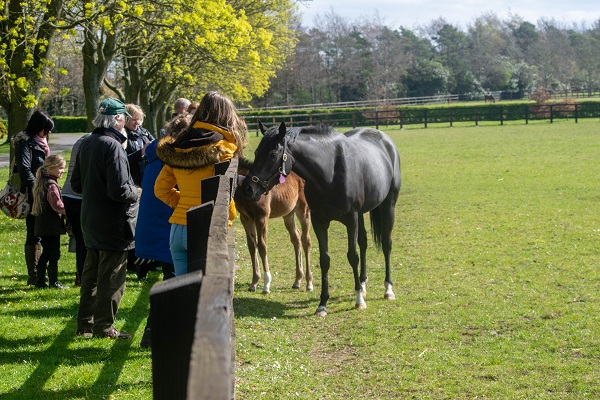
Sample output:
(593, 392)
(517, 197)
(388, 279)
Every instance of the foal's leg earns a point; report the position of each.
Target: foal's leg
(352, 228)
(303, 214)
(261, 229)
(320, 229)
(250, 229)
(290, 225)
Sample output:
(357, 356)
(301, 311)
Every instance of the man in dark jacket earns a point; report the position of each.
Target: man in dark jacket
(108, 213)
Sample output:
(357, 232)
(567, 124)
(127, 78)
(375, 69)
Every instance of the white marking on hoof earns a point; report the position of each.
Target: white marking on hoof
(321, 311)
(309, 287)
(360, 301)
(389, 293)
(267, 286)
(296, 284)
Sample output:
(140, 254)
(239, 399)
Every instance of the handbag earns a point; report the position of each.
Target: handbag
(12, 202)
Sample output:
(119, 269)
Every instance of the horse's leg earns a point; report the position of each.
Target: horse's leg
(362, 245)
(320, 229)
(352, 228)
(290, 225)
(261, 229)
(303, 214)
(388, 208)
(250, 229)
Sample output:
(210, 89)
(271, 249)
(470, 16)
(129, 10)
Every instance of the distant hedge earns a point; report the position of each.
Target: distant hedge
(405, 115)
(69, 124)
(64, 124)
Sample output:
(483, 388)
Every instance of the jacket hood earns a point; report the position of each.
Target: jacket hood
(195, 147)
(188, 158)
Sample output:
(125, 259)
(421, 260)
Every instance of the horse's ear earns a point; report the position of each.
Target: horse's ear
(261, 127)
(282, 129)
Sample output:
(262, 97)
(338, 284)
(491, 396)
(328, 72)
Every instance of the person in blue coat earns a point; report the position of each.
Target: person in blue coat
(153, 227)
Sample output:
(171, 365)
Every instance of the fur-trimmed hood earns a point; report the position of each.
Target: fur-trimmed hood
(20, 137)
(203, 145)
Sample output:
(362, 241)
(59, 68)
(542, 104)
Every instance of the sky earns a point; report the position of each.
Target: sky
(412, 13)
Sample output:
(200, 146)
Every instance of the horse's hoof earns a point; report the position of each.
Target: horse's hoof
(252, 288)
(360, 306)
(389, 296)
(321, 312)
(266, 291)
(309, 288)
(296, 286)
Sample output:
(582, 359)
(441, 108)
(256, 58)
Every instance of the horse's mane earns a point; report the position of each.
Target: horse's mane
(320, 129)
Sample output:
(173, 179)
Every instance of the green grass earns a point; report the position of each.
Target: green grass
(495, 270)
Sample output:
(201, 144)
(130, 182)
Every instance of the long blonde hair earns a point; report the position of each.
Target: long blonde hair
(40, 190)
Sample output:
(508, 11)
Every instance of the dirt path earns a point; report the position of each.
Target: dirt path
(59, 142)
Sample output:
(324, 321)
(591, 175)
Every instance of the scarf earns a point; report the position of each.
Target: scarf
(43, 143)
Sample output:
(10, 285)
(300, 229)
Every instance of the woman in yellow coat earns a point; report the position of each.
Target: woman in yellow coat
(216, 133)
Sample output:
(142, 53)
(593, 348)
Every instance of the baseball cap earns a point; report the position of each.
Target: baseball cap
(112, 106)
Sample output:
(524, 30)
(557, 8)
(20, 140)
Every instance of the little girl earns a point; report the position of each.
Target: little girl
(49, 211)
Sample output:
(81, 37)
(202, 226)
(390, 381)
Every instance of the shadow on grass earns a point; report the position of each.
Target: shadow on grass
(112, 359)
(258, 305)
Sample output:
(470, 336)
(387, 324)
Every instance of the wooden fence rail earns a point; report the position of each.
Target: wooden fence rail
(424, 116)
(193, 331)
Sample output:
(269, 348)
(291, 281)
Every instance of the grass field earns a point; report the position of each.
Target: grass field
(495, 265)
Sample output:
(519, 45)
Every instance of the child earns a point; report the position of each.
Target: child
(49, 222)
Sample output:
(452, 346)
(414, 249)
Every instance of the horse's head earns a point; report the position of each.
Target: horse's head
(272, 162)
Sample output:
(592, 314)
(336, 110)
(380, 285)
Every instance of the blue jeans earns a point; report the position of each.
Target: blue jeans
(178, 246)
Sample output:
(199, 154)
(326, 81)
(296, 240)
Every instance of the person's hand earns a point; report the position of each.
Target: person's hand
(144, 149)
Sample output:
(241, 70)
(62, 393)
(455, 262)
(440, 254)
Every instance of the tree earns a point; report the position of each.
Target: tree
(388, 59)
(27, 31)
(488, 52)
(452, 45)
(197, 46)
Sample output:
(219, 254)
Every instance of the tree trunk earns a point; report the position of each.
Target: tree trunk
(98, 53)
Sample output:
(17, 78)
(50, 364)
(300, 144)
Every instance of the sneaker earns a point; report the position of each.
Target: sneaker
(146, 339)
(113, 334)
(86, 333)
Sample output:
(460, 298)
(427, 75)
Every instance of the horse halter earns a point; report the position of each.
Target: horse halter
(276, 177)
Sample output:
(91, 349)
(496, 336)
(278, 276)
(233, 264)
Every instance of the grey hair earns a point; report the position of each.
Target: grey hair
(181, 104)
(106, 121)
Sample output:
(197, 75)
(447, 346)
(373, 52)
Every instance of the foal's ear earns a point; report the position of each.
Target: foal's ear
(261, 127)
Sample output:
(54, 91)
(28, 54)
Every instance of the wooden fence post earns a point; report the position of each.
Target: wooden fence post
(193, 332)
(173, 308)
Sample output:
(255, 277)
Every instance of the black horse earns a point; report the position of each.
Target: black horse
(346, 176)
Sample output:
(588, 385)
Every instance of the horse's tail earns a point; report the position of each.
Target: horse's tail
(376, 226)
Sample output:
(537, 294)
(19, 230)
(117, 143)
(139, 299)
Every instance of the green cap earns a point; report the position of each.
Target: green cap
(112, 106)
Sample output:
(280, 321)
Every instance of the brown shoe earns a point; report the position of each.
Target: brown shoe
(113, 334)
(86, 333)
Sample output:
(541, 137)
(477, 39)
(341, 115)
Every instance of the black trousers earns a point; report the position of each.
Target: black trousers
(48, 259)
(73, 210)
